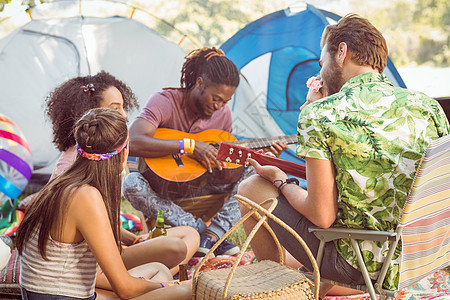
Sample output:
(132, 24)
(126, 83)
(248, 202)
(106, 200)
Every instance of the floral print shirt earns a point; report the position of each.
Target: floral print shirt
(375, 135)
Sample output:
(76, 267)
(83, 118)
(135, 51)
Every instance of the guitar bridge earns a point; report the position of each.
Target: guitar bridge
(178, 160)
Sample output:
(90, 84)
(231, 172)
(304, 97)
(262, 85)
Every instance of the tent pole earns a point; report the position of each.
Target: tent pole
(28, 10)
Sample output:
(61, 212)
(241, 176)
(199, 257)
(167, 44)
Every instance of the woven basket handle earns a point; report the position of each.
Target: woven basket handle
(255, 209)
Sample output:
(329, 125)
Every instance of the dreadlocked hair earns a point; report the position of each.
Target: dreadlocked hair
(208, 63)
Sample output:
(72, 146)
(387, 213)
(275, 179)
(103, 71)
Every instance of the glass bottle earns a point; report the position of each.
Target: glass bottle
(159, 229)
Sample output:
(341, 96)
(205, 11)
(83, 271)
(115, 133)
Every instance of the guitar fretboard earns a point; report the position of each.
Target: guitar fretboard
(265, 142)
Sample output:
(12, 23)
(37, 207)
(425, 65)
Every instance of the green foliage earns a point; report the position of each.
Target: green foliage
(417, 31)
(209, 22)
(3, 3)
(29, 3)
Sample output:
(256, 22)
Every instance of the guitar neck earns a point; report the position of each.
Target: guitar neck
(238, 155)
(265, 142)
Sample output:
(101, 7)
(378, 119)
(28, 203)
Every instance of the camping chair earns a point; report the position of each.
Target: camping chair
(423, 230)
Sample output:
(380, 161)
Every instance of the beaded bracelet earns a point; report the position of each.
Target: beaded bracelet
(283, 182)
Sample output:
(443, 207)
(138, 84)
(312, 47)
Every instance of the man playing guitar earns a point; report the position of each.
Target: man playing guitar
(208, 81)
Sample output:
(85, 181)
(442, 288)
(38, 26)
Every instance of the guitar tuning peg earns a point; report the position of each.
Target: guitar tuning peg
(228, 159)
(240, 153)
(231, 150)
(249, 155)
(238, 161)
(246, 164)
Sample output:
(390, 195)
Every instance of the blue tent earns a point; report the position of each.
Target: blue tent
(277, 54)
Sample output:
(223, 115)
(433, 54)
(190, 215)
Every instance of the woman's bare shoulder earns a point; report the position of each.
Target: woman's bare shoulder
(86, 197)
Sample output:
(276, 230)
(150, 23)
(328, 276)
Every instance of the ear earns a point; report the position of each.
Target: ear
(342, 53)
(124, 156)
(200, 83)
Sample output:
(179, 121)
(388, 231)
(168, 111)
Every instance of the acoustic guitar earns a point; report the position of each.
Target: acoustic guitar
(176, 176)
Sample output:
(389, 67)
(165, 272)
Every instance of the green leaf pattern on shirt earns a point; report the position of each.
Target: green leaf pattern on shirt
(375, 134)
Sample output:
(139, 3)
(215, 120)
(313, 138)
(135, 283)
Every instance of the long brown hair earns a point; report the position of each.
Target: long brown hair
(100, 130)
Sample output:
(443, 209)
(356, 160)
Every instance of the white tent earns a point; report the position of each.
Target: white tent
(40, 55)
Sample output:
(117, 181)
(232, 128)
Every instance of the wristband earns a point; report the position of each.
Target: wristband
(181, 146)
(192, 146)
(162, 285)
(287, 181)
(189, 145)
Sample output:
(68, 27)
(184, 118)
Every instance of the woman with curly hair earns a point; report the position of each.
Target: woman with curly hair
(59, 249)
(65, 105)
(73, 98)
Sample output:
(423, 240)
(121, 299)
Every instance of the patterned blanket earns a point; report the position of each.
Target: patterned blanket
(434, 286)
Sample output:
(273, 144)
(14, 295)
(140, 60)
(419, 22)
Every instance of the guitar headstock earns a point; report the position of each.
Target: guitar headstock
(234, 154)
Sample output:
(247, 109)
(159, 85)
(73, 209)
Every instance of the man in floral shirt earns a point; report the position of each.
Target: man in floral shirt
(362, 145)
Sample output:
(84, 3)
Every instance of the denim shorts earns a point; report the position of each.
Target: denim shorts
(26, 295)
(333, 267)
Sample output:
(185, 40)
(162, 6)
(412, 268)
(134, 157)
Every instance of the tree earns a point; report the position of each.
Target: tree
(210, 22)
(29, 3)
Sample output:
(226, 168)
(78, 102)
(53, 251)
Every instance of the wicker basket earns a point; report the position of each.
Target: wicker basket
(262, 280)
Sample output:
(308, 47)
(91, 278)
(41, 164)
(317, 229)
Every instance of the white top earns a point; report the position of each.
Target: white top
(70, 270)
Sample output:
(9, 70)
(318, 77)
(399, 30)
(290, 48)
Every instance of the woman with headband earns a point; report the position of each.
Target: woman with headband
(59, 248)
(64, 106)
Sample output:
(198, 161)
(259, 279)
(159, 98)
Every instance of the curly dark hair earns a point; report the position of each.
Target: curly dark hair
(69, 101)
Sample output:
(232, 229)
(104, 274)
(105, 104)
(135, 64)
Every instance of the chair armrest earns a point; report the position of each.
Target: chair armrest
(334, 233)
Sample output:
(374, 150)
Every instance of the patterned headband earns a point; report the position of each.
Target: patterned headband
(95, 156)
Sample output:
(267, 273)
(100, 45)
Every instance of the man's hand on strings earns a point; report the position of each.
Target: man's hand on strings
(205, 154)
(275, 149)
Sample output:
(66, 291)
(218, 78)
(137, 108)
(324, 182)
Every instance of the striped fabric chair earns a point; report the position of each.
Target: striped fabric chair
(423, 230)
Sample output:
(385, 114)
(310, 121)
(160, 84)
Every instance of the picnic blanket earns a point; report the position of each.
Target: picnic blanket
(435, 286)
